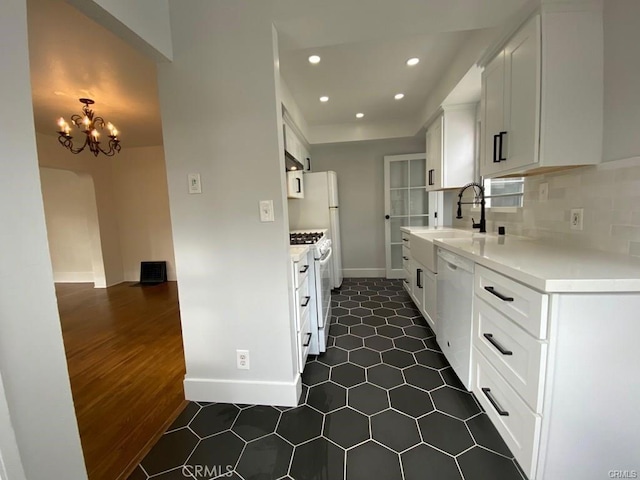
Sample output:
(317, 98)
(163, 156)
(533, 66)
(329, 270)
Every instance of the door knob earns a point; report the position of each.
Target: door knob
(387, 217)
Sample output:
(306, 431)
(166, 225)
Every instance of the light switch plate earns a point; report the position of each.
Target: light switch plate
(266, 211)
(576, 219)
(194, 183)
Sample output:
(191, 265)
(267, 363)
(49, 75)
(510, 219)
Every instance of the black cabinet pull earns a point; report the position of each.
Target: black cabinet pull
(306, 344)
(306, 301)
(431, 177)
(493, 342)
(405, 239)
(496, 405)
(495, 148)
(492, 291)
(405, 258)
(299, 185)
(419, 277)
(308, 164)
(387, 217)
(500, 159)
(304, 269)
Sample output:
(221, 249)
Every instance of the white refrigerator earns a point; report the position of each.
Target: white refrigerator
(320, 209)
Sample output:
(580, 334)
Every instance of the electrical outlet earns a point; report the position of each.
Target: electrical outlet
(543, 192)
(576, 218)
(242, 359)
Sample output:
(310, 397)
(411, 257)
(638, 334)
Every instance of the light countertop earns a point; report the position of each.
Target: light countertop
(298, 251)
(549, 266)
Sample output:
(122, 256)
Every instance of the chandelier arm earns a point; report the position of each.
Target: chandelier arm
(87, 123)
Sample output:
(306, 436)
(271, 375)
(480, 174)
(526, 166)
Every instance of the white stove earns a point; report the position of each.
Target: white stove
(319, 284)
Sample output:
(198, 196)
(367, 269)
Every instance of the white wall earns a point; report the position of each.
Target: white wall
(609, 193)
(360, 169)
(65, 209)
(221, 115)
(32, 359)
(143, 24)
(142, 209)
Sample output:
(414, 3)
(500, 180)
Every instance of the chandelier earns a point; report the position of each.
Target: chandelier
(89, 125)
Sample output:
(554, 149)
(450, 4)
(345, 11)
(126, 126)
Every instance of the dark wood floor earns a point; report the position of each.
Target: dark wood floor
(126, 364)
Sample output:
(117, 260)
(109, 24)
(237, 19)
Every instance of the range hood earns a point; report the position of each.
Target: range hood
(291, 163)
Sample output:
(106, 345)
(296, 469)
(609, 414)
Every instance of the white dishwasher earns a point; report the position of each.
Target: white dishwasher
(454, 305)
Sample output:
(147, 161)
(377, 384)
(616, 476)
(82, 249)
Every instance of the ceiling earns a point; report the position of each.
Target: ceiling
(363, 45)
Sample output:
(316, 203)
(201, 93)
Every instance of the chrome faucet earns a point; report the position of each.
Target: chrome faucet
(483, 223)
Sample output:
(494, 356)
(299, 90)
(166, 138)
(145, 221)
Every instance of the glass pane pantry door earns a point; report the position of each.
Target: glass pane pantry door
(406, 204)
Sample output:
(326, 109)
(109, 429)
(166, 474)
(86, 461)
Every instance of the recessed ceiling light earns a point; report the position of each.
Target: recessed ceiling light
(413, 61)
(359, 115)
(314, 59)
(399, 96)
(324, 99)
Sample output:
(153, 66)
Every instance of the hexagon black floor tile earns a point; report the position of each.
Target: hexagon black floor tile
(364, 357)
(395, 430)
(222, 450)
(346, 427)
(422, 377)
(333, 356)
(171, 451)
(255, 422)
(371, 460)
(268, 457)
(385, 376)
(353, 416)
(327, 397)
(445, 433)
(368, 399)
(461, 405)
(423, 458)
(318, 459)
(214, 419)
(300, 424)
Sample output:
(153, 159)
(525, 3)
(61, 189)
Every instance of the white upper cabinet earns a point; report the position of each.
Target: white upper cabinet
(295, 184)
(296, 147)
(451, 147)
(541, 104)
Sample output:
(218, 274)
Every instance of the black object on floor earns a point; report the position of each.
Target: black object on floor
(152, 273)
(381, 403)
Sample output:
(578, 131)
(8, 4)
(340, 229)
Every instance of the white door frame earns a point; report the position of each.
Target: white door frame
(393, 273)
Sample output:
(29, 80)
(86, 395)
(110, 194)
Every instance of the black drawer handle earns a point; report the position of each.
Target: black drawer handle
(405, 258)
(299, 185)
(496, 405)
(419, 277)
(405, 239)
(306, 344)
(500, 157)
(493, 342)
(304, 269)
(492, 291)
(306, 301)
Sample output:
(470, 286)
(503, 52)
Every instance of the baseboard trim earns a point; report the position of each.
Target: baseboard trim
(364, 272)
(285, 394)
(73, 277)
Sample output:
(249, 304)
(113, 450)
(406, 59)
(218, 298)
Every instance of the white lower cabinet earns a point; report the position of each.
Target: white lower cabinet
(556, 374)
(303, 305)
(420, 283)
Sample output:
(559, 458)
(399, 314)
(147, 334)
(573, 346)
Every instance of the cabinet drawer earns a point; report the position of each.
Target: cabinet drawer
(406, 256)
(405, 240)
(518, 425)
(303, 302)
(301, 271)
(525, 306)
(304, 341)
(520, 358)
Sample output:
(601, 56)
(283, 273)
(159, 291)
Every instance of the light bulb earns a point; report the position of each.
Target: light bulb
(314, 59)
(413, 61)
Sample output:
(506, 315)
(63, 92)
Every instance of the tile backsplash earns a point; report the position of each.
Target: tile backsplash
(609, 195)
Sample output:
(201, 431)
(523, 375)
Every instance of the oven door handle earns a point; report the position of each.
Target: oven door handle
(325, 258)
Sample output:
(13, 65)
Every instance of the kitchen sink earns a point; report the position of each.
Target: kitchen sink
(423, 249)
